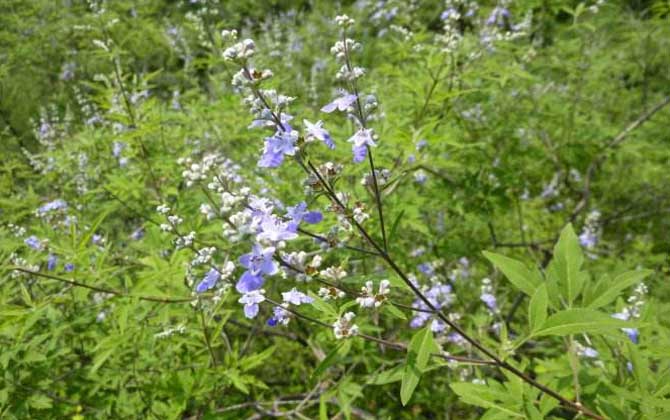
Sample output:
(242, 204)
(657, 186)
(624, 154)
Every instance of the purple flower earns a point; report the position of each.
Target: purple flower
(96, 239)
(299, 212)
(498, 16)
(449, 13)
(275, 230)
(439, 296)
(588, 239)
(251, 301)
(117, 148)
(279, 316)
(57, 204)
(249, 282)
(632, 333)
(259, 260)
(360, 141)
(426, 269)
(278, 146)
(341, 103)
(296, 297)
(209, 281)
(137, 234)
(51, 262)
(489, 300)
(33, 242)
(315, 131)
(69, 267)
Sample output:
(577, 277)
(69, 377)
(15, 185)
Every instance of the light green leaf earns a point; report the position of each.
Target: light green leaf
(607, 293)
(418, 354)
(516, 272)
(388, 376)
(393, 311)
(482, 396)
(567, 263)
(578, 320)
(537, 308)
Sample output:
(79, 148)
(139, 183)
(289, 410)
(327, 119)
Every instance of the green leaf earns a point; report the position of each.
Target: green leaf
(327, 361)
(516, 272)
(388, 376)
(237, 380)
(254, 360)
(579, 320)
(418, 355)
(394, 311)
(567, 263)
(483, 396)
(537, 308)
(607, 293)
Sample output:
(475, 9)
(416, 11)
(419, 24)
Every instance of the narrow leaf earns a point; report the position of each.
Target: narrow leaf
(418, 354)
(516, 272)
(577, 321)
(537, 308)
(609, 292)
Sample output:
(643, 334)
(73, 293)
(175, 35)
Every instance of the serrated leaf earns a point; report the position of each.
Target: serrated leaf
(609, 292)
(537, 308)
(578, 321)
(516, 272)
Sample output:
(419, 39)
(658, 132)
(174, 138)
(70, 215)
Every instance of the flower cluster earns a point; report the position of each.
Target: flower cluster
(488, 297)
(344, 327)
(369, 299)
(590, 235)
(632, 311)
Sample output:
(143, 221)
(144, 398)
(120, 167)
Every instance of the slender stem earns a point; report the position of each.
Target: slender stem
(102, 289)
(362, 120)
(207, 341)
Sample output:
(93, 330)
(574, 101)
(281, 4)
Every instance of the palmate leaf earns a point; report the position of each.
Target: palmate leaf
(418, 354)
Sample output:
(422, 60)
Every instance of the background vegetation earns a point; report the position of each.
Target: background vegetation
(495, 144)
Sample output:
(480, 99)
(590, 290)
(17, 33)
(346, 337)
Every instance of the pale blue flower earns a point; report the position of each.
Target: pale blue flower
(340, 103)
(317, 131)
(33, 242)
(259, 260)
(210, 280)
(299, 213)
(52, 260)
(296, 297)
(360, 141)
(249, 282)
(251, 301)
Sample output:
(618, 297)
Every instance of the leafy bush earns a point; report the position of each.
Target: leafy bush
(413, 209)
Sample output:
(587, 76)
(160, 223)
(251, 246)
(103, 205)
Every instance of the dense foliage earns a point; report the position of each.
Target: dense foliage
(415, 209)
